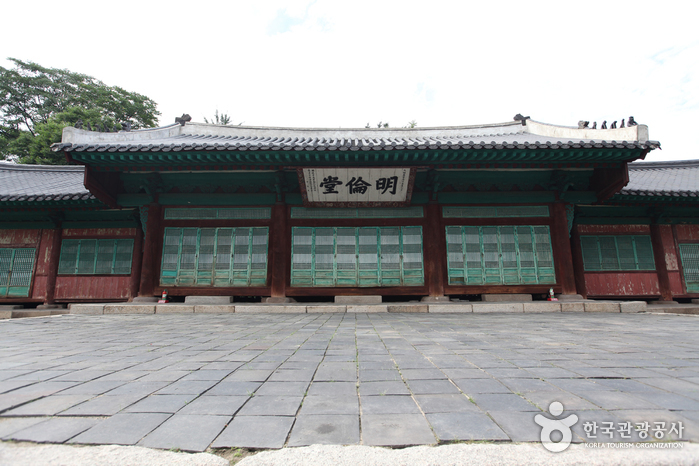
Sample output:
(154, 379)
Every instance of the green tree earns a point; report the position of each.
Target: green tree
(223, 119)
(36, 103)
(219, 119)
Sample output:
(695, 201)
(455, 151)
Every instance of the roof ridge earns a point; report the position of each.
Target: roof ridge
(45, 168)
(671, 164)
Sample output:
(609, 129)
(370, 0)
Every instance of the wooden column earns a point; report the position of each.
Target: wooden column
(660, 263)
(151, 240)
(279, 240)
(135, 281)
(434, 249)
(578, 265)
(562, 254)
(52, 267)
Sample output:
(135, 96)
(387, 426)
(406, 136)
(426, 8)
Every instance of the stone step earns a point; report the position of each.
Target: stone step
(22, 313)
(676, 308)
(447, 307)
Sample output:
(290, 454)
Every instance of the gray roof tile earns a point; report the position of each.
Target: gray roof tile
(42, 183)
(676, 179)
(200, 137)
(491, 141)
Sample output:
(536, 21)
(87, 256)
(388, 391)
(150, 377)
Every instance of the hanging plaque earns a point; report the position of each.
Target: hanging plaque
(356, 186)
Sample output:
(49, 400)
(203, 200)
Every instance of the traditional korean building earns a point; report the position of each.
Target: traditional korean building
(248, 212)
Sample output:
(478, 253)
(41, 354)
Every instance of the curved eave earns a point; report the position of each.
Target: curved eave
(33, 203)
(476, 154)
(660, 198)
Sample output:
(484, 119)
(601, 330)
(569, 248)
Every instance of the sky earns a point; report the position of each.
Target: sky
(324, 63)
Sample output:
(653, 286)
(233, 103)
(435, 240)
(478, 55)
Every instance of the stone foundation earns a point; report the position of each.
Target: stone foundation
(194, 300)
(505, 297)
(358, 300)
(408, 307)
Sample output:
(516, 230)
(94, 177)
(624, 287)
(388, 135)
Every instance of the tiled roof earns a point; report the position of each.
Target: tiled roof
(42, 183)
(201, 137)
(676, 179)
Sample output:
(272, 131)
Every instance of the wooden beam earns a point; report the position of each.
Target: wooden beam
(103, 185)
(608, 181)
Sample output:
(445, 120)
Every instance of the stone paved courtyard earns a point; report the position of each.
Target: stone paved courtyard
(272, 380)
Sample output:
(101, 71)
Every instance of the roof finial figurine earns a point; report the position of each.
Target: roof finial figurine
(523, 119)
(583, 124)
(126, 126)
(623, 125)
(594, 125)
(632, 122)
(79, 124)
(613, 125)
(604, 125)
(183, 119)
(88, 127)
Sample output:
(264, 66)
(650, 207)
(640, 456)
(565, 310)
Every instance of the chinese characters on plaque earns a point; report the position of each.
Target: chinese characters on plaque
(357, 186)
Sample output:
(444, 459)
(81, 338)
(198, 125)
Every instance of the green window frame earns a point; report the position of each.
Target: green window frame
(617, 252)
(16, 269)
(357, 256)
(689, 254)
(215, 257)
(96, 257)
(499, 255)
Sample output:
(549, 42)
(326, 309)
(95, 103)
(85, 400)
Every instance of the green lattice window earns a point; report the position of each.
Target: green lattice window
(621, 252)
(96, 257)
(689, 254)
(499, 255)
(215, 257)
(365, 256)
(16, 268)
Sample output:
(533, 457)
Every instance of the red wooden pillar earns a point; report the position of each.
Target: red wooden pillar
(563, 257)
(578, 265)
(279, 239)
(135, 281)
(149, 264)
(434, 250)
(52, 266)
(659, 254)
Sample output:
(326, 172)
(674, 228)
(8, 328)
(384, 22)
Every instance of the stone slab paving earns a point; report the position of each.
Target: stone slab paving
(197, 380)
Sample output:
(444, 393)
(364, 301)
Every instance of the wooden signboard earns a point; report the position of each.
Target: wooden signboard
(356, 186)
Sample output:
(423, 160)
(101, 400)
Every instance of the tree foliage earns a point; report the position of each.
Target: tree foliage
(36, 103)
(381, 124)
(219, 119)
(223, 119)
